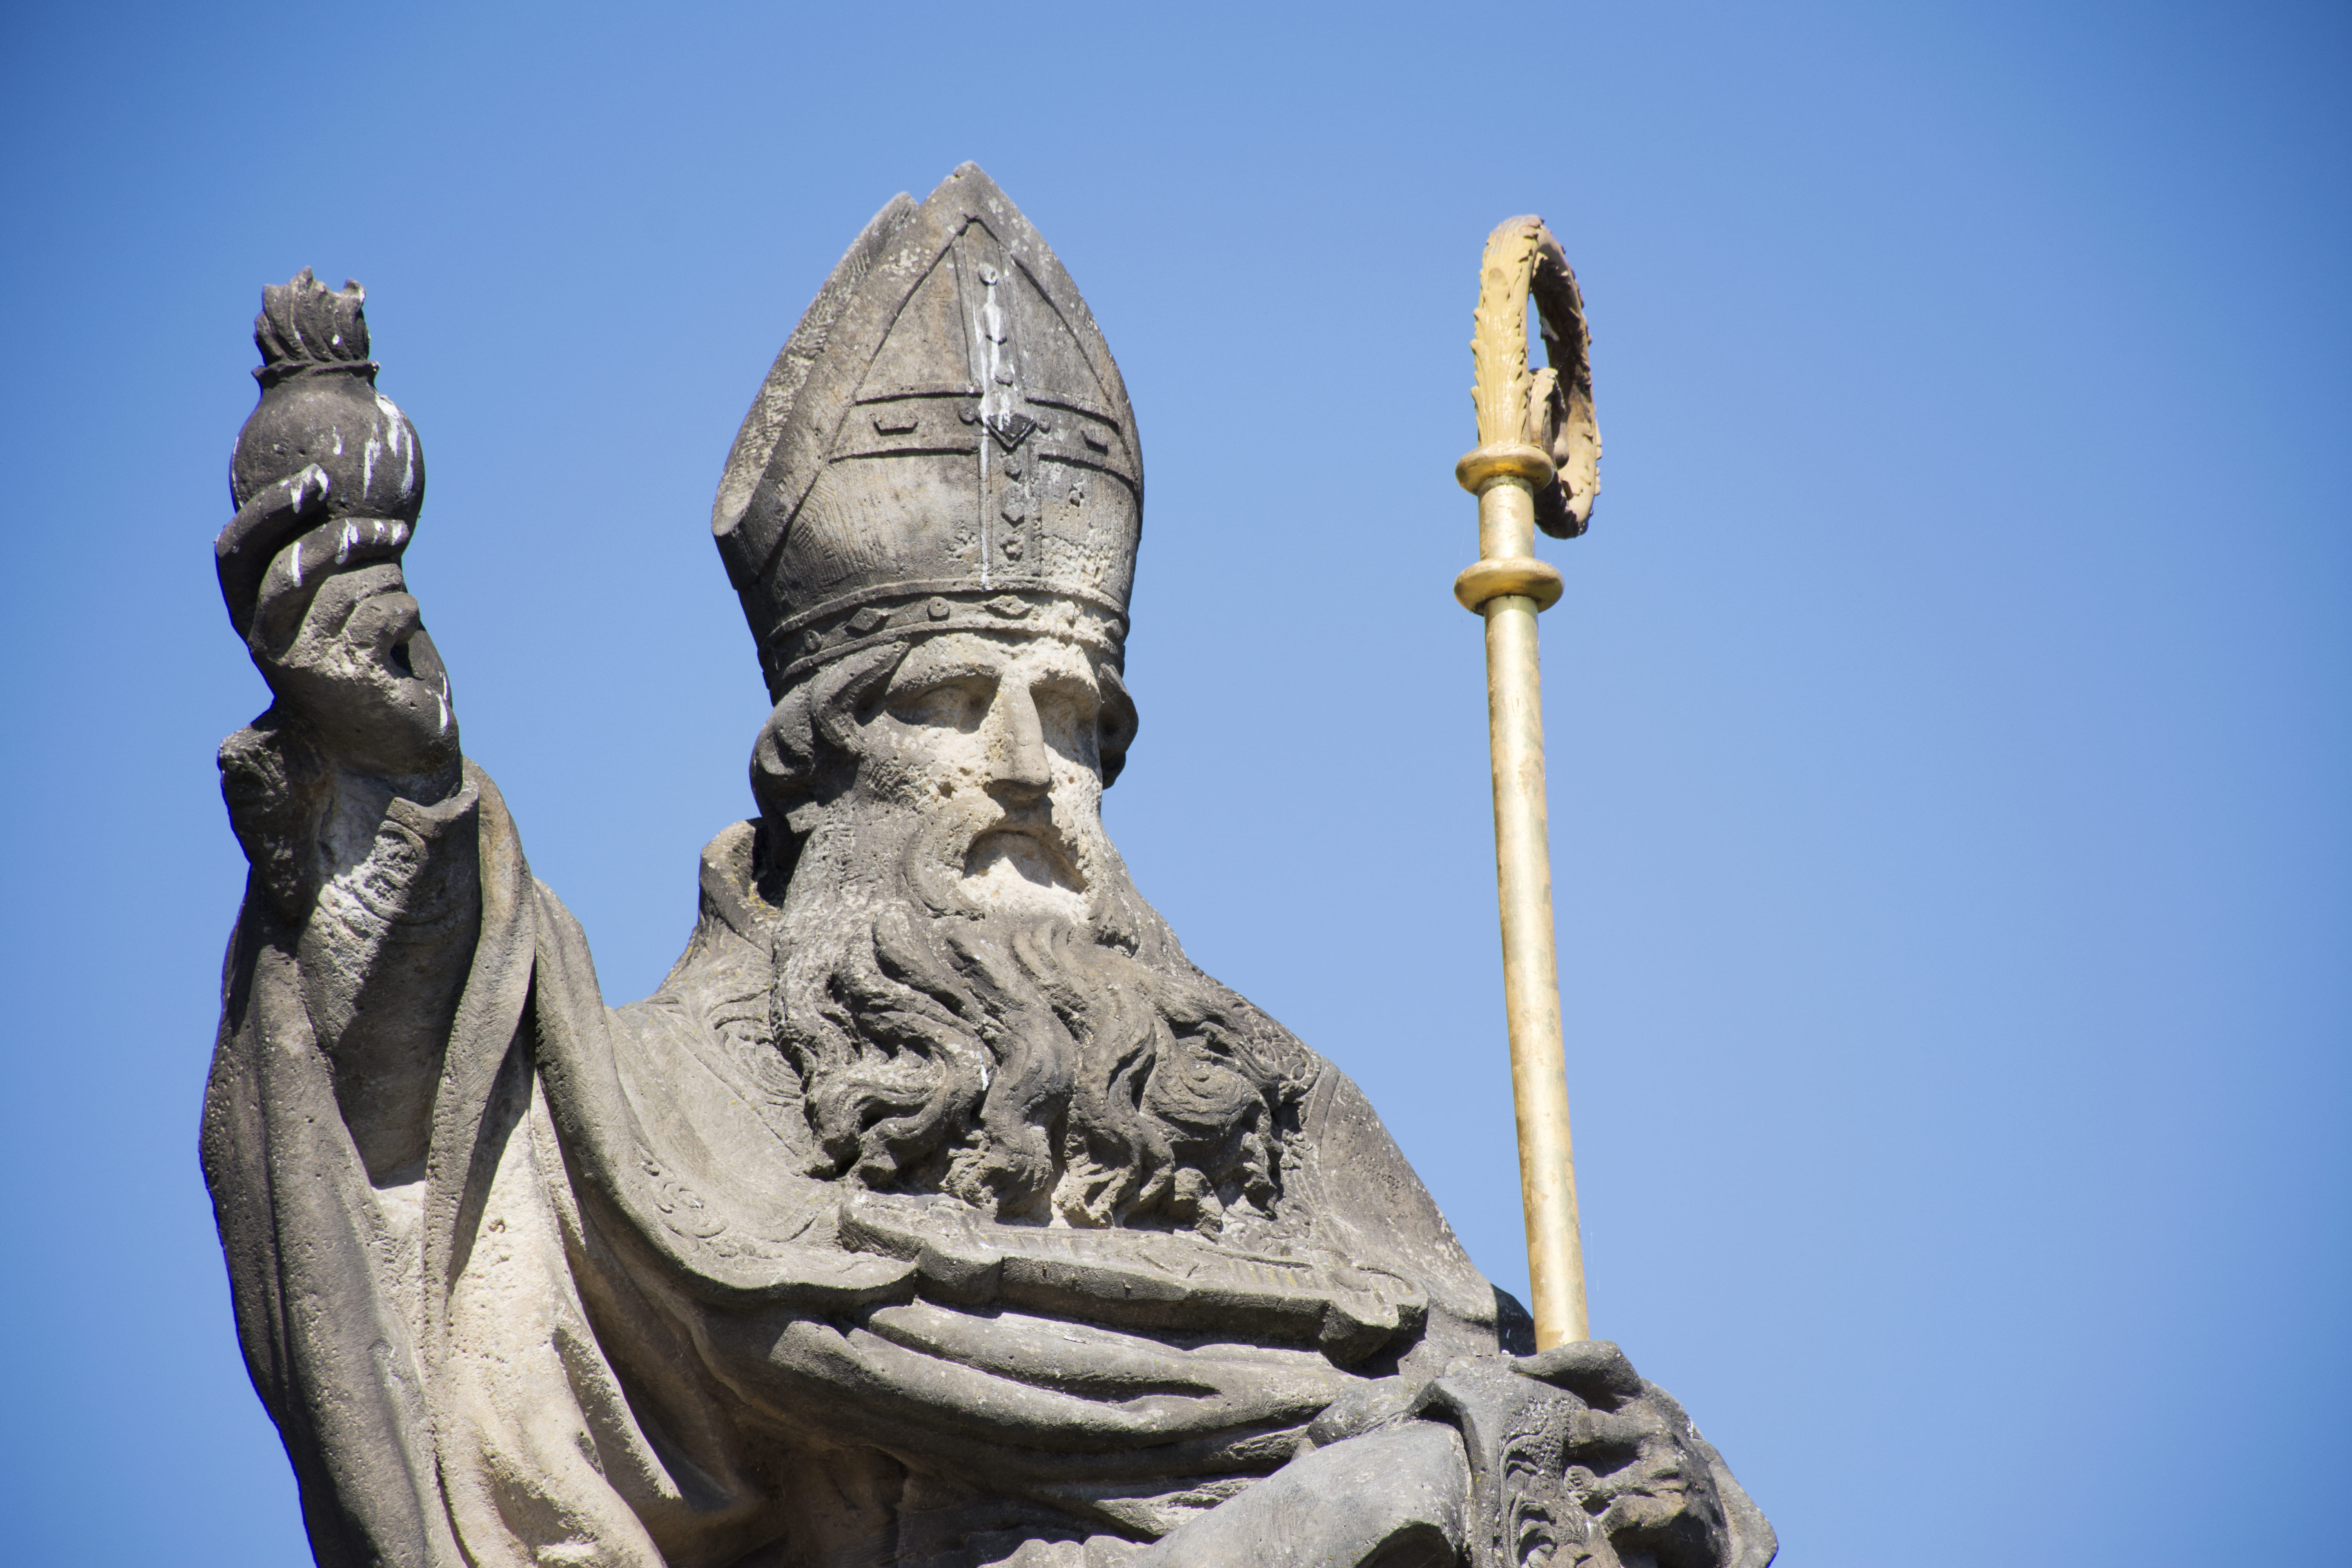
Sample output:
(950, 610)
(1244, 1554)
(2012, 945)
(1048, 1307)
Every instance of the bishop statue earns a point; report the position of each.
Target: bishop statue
(936, 1212)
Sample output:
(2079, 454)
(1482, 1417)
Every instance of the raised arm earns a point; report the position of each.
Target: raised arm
(348, 795)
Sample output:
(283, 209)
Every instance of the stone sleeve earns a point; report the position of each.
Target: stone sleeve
(378, 896)
(371, 1004)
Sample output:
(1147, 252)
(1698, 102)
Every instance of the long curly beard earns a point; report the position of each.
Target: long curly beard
(1041, 1068)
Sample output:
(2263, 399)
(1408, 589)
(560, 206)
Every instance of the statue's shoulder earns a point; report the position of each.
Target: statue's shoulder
(728, 961)
(740, 891)
(1367, 1199)
(710, 1012)
(730, 955)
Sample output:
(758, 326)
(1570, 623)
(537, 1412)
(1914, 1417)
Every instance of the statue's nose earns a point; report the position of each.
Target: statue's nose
(1022, 771)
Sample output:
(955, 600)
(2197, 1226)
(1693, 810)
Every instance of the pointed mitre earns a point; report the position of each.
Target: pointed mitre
(943, 445)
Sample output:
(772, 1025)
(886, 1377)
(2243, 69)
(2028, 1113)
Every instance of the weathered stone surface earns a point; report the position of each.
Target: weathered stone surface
(936, 1211)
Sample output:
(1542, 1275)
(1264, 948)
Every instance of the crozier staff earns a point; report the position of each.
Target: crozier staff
(1536, 466)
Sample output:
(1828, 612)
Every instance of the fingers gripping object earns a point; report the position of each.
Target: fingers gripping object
(322, 446)
(329, 480)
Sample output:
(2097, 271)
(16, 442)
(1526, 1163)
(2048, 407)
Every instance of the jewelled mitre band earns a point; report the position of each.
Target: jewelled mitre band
(1019, 606)
(944, 445)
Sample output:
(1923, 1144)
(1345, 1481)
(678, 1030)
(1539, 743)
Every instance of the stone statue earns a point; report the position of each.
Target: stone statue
(936, 1211)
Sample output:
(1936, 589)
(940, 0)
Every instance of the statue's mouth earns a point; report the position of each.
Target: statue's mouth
(1016, 855)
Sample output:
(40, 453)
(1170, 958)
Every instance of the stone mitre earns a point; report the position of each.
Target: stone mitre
(943, 445)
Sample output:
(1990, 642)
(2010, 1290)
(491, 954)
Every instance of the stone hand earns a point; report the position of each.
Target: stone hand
(1583, 1462)
(1640, 1470)
(326, 616)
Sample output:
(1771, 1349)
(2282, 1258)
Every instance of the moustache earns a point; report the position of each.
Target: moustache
(967, 855)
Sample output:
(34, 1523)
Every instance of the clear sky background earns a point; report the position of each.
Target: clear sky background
(1952, 735)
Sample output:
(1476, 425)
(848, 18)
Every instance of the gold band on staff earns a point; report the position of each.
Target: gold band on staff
(1520, 416)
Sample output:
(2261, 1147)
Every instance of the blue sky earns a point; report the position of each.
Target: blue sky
(1950, 727)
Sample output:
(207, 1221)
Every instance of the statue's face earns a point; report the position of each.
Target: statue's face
(997, 741)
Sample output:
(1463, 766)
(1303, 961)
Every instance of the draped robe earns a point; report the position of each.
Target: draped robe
(606, 1318)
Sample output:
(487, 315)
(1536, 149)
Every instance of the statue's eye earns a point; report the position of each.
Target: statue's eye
(1067, 712)
(946, 704)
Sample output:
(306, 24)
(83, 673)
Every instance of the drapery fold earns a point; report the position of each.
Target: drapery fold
(332, 1353)
(610, 1321)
